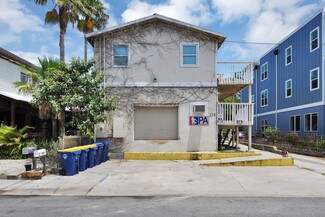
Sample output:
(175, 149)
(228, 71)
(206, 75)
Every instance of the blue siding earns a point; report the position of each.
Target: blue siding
(283, 125)
(303, 61)
(299, 70)
(270, 119)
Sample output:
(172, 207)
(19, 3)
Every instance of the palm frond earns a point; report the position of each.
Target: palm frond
(51, 17)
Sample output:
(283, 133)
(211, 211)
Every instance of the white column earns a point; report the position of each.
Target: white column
(250, 115)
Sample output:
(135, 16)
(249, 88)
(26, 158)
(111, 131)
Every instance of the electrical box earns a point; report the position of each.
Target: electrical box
(102, 130)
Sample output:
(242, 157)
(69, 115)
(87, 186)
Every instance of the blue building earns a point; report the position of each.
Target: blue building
(288, 87)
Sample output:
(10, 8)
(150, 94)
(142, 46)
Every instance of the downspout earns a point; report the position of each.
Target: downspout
(276, 52)
(256, 98)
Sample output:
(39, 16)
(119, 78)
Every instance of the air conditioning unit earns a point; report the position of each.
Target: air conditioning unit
(199, 108)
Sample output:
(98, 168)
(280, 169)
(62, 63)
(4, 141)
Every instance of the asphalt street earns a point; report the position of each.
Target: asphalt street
(53, 206)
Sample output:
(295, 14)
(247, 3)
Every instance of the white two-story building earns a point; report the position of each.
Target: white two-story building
(15, 108)
(163, 73)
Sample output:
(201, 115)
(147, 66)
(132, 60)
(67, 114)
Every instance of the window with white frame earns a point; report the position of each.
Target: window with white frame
(288, 88)
(189, 54)
(264, 69)
(311, 122)
(23, 77)
(294, 124)
(314, 39)
(288, 55)
(120, 55)
(253, 98)
(264, 124)
(314, 79)
(264, 96)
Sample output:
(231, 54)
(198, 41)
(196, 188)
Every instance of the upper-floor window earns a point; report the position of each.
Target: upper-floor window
(314, 79)
(311, 122)
(288, 88)
(120, 55)
(264, 97)
(314, 39)
(264, 69)
(264, 124)
(253, 98)
(189, 54)
(288, 55)
(294, 124)
(23, 77)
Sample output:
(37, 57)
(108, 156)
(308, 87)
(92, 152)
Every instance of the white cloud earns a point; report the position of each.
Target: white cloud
(269, 22)
(235, 10)
(33, 57)
(17, 18)
(192, 11)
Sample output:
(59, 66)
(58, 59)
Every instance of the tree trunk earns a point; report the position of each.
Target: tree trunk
(63, 21)
(44, 129)
(63, 27)
(62, 122)
(54, 127)
(85, 49)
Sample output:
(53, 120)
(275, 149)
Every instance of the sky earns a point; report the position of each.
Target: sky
(245, 22)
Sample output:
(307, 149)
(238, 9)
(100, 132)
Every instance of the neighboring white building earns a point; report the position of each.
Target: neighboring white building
(163, 73)
(15, 109)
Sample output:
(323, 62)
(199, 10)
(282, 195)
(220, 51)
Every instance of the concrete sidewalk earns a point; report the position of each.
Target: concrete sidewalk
(174, 178)
(178, 178)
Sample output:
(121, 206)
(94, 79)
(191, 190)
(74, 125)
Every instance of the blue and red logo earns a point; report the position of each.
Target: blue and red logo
(199, 120)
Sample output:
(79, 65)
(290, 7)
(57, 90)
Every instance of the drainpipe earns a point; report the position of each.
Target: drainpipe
(276, 52)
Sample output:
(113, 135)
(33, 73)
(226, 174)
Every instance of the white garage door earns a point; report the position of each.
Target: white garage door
(153, 123)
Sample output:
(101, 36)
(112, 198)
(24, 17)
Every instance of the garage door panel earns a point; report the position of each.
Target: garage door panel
(152, 123)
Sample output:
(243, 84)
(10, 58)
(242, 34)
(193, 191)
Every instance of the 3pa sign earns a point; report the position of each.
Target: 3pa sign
(199, 120)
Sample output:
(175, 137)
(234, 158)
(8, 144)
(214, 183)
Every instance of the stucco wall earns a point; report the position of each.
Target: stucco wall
(155, 52)
(191, 138)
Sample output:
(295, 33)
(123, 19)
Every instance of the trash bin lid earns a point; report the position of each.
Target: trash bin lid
(76, 151)
(99, 144)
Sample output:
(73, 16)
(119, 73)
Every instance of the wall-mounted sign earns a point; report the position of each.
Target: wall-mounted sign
(199, 120)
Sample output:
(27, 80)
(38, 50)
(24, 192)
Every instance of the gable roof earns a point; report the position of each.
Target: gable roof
(4, 54)
(156, 17)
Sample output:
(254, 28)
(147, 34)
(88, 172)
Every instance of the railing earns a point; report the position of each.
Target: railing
(235, 114)
(235, 73)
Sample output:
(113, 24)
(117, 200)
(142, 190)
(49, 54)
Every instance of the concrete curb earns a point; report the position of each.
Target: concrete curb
(261, 162)
(185, 155)
(11, 177)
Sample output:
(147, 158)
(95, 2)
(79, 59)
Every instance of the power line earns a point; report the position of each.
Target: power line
(249, 42)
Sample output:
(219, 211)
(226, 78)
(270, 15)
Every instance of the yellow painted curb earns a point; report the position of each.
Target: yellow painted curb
(255, 163)
(185, 155)
(221, 155)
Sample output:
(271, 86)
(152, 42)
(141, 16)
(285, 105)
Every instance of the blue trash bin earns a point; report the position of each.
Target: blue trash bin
(92, 150)
(105, 151)
(70, 161)
(99, 152)
(83, 160)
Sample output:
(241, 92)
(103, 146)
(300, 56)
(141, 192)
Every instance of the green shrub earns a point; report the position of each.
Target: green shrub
(292, 138)
(272, 134)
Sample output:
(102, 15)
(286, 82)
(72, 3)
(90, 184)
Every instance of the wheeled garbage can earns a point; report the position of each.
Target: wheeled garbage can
(99, 152)
(92, 151)
(105, 151)
(70, 161)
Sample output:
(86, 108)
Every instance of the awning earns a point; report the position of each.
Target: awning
(18, 97)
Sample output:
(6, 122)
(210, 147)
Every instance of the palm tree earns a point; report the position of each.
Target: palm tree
(35, 75)
(89, 14)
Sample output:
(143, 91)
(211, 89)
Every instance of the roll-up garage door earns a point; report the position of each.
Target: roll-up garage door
(154, 123)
